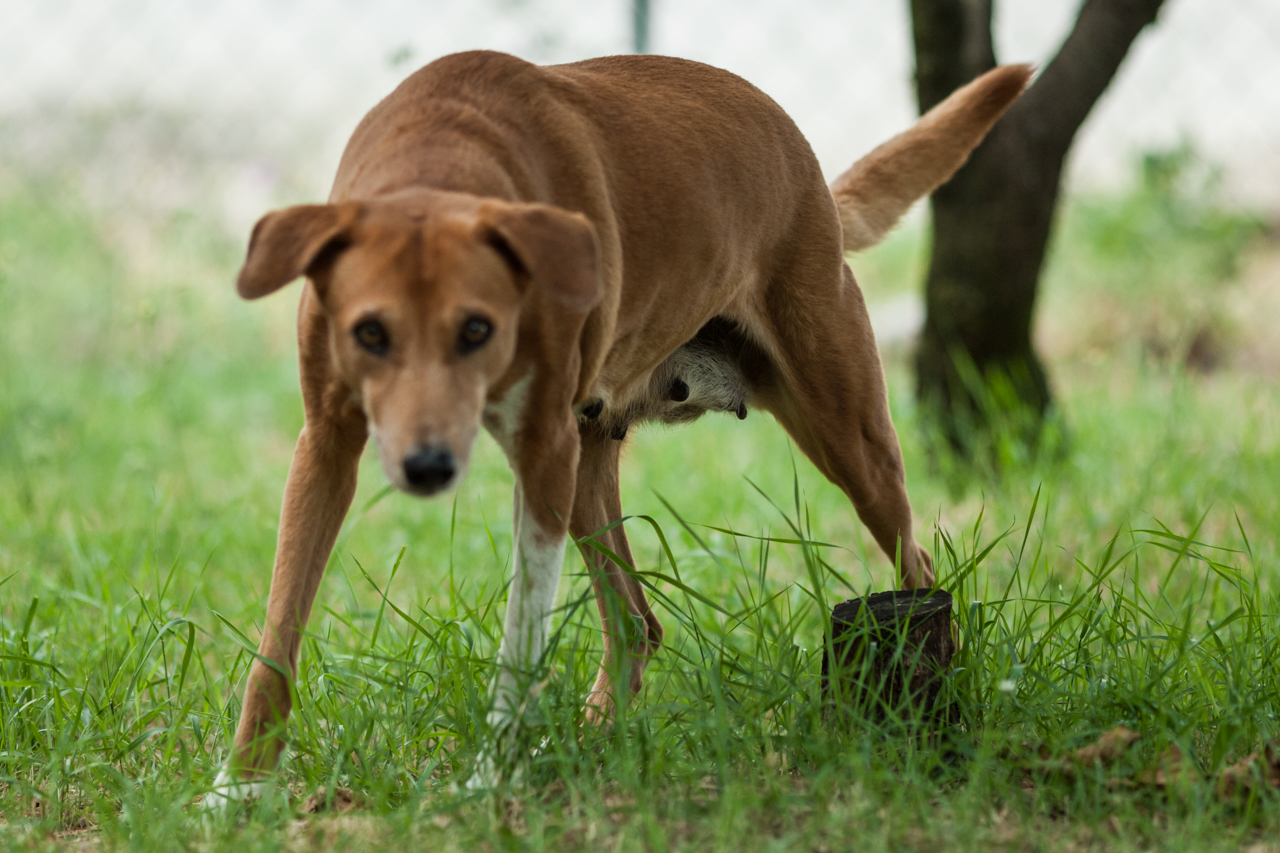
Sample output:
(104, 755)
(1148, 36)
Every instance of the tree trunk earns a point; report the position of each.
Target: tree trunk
(893, 650)
(991, 222)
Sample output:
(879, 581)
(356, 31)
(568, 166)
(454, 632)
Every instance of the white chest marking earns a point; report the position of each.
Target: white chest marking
(503, 418)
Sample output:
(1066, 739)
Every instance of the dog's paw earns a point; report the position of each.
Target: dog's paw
(229, 791)
(486, 776)
(919, 574)
(599, 705)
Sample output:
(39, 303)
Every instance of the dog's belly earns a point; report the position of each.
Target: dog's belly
(708, 373)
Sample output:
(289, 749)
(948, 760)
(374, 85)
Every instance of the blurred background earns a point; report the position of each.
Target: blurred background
(232, 106)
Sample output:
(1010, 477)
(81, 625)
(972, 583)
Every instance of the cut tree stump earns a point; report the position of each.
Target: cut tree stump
(893, 648)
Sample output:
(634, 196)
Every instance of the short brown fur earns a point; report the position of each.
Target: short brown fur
(596, 217)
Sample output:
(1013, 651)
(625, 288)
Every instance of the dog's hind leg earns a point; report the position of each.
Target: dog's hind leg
(826, 387)
(631, 631)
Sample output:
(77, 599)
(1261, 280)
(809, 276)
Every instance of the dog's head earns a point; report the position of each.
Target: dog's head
(428, 298)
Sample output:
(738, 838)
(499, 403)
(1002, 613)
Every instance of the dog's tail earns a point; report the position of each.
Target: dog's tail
(875, 191)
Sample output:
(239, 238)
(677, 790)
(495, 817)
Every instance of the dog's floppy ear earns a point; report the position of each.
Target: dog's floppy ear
(556, 261)
(288, 243)
(553, 248)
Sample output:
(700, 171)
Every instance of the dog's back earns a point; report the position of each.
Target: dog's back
(699, 186)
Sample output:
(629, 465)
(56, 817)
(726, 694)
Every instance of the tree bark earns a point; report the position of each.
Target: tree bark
(991, 222)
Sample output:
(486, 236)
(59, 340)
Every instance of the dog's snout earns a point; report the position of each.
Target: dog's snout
(429, 468)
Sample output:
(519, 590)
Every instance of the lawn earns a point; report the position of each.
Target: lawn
(1125, 574)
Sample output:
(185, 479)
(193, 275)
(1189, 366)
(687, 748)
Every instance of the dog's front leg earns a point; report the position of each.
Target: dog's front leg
(539, 555)
(321, 484)
(531, 598)
(545, 463)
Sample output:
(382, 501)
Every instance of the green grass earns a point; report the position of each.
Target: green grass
(146, 425)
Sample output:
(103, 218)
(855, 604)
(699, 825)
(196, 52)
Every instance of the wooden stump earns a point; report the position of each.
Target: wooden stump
(893, 649)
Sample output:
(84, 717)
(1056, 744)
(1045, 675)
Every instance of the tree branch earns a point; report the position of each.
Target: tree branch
(1059, 101)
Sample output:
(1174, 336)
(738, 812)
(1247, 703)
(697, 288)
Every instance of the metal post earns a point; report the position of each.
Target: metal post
(640, 26)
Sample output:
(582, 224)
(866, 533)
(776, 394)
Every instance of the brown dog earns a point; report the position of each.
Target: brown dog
(556, 253)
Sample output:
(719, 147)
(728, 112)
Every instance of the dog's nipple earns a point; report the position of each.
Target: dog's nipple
(742, 411)
(593, 409)
(619, 432)
(679, 390)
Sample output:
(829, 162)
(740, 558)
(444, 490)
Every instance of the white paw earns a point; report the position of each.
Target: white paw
(485, 776)
(228, 791)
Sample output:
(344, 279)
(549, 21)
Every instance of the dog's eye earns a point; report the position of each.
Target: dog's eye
(473, 334)
(372, 336)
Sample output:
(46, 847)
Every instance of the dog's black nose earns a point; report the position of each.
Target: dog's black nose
(429, 468)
